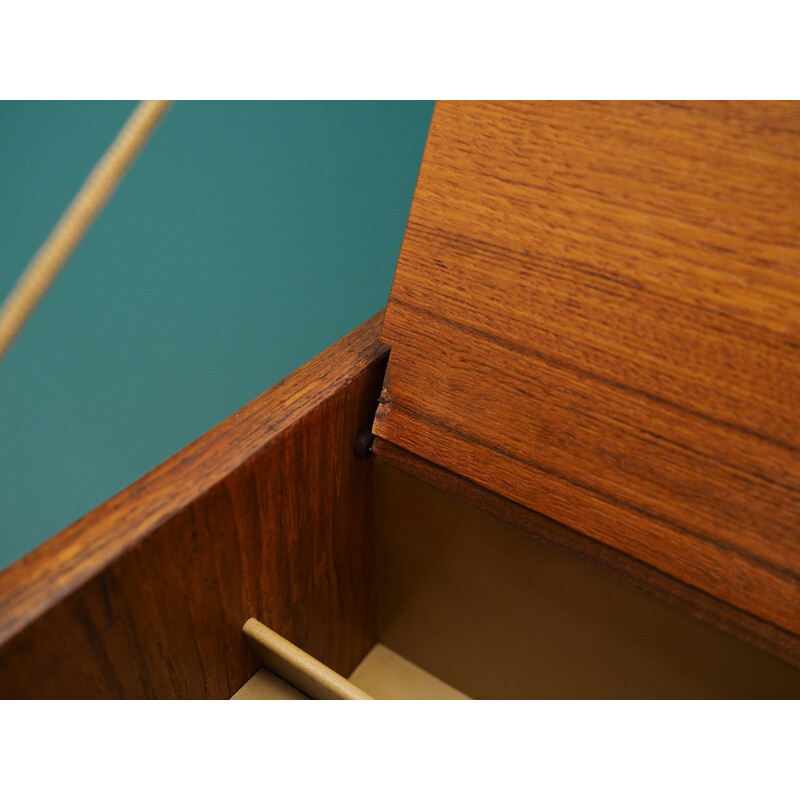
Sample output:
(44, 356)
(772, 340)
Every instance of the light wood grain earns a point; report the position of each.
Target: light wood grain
(596, 314)
(267, 515)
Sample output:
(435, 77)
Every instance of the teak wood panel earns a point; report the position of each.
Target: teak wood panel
(674, 592)
(596, 314)
(267, 515)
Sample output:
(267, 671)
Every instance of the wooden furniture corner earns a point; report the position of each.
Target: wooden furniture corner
(267, 515)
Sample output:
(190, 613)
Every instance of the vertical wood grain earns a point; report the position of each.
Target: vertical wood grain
(267, 515)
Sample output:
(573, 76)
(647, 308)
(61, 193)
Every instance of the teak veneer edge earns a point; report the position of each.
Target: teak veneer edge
(754, 631)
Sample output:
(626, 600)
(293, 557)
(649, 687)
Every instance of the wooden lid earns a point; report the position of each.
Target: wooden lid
(596, 314)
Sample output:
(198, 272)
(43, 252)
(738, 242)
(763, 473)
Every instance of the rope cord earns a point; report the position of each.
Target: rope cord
(77, 219)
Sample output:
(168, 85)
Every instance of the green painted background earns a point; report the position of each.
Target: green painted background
(246, 239)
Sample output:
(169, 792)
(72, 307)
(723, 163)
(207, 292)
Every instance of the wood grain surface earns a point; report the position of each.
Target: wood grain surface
(596, 314)
(267, 515)
(699, 604)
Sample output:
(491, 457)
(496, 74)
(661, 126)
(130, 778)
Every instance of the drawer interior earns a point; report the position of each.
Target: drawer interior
(470, 606)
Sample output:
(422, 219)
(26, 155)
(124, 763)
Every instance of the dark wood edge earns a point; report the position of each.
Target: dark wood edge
(747, 627)
(56, 569)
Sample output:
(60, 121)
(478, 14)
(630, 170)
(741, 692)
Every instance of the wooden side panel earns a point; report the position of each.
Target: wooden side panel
(267, 516)
(596, 314)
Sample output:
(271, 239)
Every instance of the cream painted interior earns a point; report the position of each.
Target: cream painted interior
(388, 676)
(266, 685)
(499, 614)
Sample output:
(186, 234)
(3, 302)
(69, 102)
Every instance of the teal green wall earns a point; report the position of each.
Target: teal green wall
(246, 239)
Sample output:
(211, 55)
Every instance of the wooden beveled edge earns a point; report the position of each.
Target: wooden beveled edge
(698, 603)
(301, 670)
(38, 581)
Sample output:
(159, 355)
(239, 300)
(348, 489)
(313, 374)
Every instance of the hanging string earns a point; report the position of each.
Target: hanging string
(77, 219)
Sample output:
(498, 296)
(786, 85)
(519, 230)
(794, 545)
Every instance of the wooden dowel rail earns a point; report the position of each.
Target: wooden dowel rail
(297, 667)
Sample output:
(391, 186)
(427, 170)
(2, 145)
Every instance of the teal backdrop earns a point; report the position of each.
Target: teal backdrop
(245, 239)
